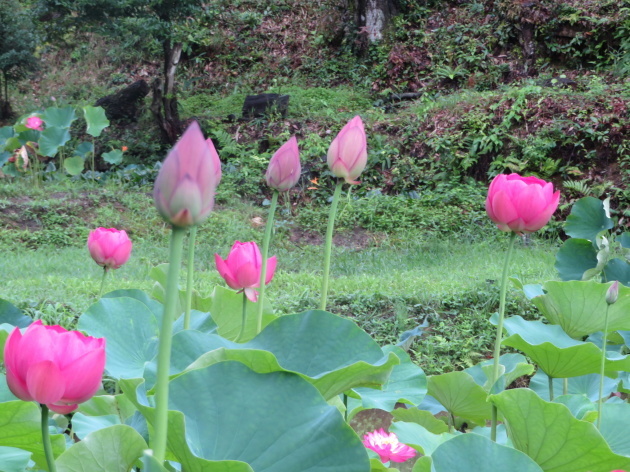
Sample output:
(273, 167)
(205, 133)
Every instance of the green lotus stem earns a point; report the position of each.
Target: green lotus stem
(100, 293)
(451, 423)
(50, 458)
(345, 404)
(565, 386)
(164, 349)
(265, 253)
(497, 343)
(550, 380)
(600, 402)
(243, 318)
(328, 243)
(192, 236)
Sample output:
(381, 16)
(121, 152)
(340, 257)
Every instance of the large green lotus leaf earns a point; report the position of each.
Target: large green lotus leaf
(84, 150)
(575, 257)
(553, 437)
(114, 157)
(5, 393)
(615, 427)
(13, 459)
(580, 307)
(113, 449)
(227, 312)
(475, 453)
(420, 417)
(150, 464)
(579, 406)
(587, 385)
(6, 132)
(20, 427)
(377, 466)
(275, 422)
(83, 425)
(52, 139)
(59, 117)
(131, 330)
(617, 269)
(419, 437)
(96, 120)
(558, 355)
(73, 165)
(159, 274)
(514, 366)
(331, 352)
(624, 239)
(460, 395)
(407, 384)
(12, 315)
(588, 218)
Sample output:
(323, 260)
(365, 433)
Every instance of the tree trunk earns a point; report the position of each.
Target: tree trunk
(373, 16)
(164, 105)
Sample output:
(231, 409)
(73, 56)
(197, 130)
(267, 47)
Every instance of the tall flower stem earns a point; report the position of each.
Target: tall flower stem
(550, 388)
(243, 318)
(164, 349)
(602, 368)
(328, 243)
(497, 343)
(100, 293)
(50, 458)
(265, 253)
(192, 236)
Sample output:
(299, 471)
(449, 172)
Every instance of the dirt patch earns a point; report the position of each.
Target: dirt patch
(357, 238)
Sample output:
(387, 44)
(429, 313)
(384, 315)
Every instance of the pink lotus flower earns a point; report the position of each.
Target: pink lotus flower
(109, 247)
(347, 154)
(34, 122)
(521, 204)
(387, 446)
(241, 269)
(53, 366)
(284, 167)
(185, 186)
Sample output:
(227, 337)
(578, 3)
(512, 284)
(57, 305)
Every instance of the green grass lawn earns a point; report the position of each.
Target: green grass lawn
(387, 282)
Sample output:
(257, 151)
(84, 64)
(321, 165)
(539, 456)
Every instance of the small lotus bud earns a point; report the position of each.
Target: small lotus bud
(612, 293)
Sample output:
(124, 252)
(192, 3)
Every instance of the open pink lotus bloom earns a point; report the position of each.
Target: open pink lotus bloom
(34, 122)
(109, 247)
(387, 446)
(521, 204)
(284, 167)
(347, 154)
(185, 186)
(53, 366)
(241, 269)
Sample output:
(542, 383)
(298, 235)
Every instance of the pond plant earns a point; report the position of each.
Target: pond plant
(223, 384)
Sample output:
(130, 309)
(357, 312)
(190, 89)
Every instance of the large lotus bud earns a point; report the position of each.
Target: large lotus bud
(284, 167)
(184, 188)
(347, 155)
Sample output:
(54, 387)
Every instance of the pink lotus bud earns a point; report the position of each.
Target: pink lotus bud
(34, 122)
(216, 162)
(387, 446)
(347, 154)
(109, 247)
(521, 204)
(53, 366)
(185, 186)
(612, 293)
(241, 269)
(284, 167)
